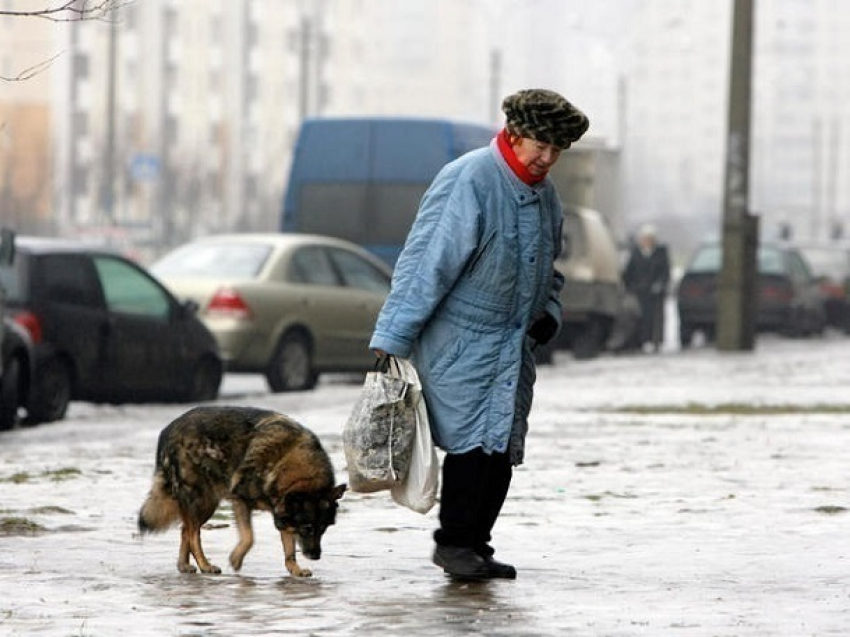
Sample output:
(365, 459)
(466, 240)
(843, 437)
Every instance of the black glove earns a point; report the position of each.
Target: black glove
(543, 329)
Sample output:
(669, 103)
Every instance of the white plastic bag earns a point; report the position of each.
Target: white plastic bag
(379, 433)
(418, 491)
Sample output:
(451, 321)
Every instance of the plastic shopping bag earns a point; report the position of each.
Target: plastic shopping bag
(379, 433)
(418, 491)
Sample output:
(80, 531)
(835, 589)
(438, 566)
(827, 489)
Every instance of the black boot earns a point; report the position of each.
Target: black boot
(461, 563)
(495, 568)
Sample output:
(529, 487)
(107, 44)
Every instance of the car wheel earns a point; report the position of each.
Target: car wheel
(589, 340)
(51, 392)
(9, 394)
(205, 382)
(291, 366)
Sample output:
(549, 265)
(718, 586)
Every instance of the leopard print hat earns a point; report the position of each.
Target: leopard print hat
(545, 116)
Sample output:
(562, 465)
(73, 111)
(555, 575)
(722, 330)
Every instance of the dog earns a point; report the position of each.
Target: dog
(255, 458)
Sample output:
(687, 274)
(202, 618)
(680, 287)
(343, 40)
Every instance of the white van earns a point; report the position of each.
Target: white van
(598, 313)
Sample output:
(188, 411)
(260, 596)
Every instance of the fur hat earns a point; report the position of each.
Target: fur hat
(545, 116)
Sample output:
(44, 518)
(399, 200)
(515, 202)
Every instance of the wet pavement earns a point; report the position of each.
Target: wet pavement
(688, 493)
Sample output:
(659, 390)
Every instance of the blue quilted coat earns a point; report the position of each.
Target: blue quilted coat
(475, 271)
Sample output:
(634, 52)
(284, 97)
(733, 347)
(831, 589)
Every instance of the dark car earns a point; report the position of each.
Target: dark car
(830, 263)
(15, 353)
(104, 330)
(789, 299)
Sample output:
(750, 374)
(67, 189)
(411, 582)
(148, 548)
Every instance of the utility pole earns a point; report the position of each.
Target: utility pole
(305, 65)
(107, 186)
(737, 291)
(495, 85)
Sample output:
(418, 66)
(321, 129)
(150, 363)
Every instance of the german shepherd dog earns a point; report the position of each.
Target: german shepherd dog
(257, 459)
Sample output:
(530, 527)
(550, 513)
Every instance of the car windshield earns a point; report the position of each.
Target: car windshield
(214, 261)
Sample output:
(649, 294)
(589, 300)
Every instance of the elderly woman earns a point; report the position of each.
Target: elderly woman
(473, 290)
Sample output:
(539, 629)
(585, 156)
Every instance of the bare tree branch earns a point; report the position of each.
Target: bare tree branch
(31, 71)
(64, 11)
(71, 10)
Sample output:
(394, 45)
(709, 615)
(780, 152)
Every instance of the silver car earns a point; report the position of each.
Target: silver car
(289, 306)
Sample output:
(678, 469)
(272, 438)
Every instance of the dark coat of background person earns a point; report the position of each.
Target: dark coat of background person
(647, 276)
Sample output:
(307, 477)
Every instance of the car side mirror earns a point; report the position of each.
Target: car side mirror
(7, 246)
(189, 307)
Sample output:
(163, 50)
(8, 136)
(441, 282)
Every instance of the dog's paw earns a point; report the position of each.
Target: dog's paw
(185, 567)
(236, 560)
(212, 569)
(297, 571)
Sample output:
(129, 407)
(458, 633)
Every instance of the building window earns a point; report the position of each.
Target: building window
(172, 127)
(81, 124)
(80, 180)
(81, 66)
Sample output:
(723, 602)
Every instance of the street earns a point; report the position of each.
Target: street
(690, 493)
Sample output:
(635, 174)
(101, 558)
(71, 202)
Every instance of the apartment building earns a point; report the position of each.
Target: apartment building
(677, 106)
(178, 118)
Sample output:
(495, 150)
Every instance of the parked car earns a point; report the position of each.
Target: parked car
(598, 313)
(289, 306)
(104, 330)
(15, 352)
(830, 263)
(789, 300)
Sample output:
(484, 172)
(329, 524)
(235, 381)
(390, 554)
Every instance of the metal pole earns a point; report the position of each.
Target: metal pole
(737, 289)
(495, 85)
(305, 64)
(107, 187)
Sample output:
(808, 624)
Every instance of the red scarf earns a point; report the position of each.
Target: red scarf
(504, 143)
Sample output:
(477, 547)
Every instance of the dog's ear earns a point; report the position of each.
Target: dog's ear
(337, 491)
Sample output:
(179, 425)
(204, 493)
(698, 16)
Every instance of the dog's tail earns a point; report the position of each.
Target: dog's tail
(160, 511)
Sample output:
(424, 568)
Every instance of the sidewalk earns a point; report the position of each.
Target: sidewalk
(687, 493)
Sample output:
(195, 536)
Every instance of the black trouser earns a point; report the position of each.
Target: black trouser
(474, 488)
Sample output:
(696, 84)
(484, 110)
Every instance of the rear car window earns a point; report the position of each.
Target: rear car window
(771, 261)
(214, 261)
(707, 259)
(66, 278)
(710, 259)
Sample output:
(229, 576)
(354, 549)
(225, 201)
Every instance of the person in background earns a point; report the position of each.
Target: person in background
(647, 276)
(473, 291)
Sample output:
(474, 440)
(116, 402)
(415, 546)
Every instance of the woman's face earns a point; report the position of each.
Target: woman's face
(537, 156)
